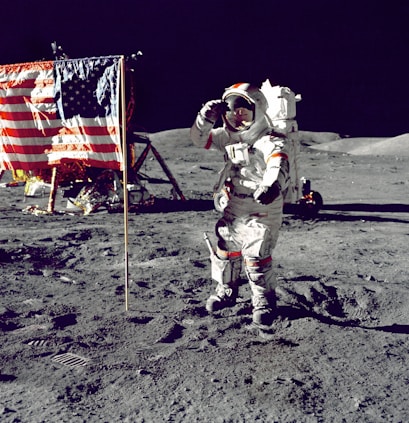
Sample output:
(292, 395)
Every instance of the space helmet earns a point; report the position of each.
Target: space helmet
(246, 111)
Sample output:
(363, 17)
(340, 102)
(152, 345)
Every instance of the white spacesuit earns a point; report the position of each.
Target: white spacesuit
(255, 177)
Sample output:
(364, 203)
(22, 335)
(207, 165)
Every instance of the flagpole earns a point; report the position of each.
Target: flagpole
(125, 177)
(53, 191)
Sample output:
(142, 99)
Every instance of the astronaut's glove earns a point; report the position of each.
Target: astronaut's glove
(213, 109)
(266, 195)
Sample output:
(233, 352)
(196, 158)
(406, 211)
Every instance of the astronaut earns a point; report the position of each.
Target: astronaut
(255, 178)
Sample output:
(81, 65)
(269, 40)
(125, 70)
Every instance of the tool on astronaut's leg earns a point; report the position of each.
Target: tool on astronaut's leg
(225, 272)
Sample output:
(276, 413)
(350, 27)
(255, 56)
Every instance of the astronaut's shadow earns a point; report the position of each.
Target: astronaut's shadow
(369, 208)
(352, 212)
(337, 212)
(291, 313)
(164, 205)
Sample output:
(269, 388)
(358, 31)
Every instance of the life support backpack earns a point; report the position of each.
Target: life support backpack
(282, 112)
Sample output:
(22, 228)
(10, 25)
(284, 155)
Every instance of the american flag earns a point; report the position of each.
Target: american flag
(52, 112)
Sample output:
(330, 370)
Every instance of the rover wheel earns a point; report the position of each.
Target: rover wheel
(311, 204)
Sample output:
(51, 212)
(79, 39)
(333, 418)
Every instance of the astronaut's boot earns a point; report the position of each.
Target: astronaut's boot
(225, 296)
(226, 273)
(264, 309)
(262, 284)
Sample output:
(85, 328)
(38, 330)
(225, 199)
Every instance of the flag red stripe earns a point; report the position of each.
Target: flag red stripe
(37, 115)
(24, 165)
(23, 99)
(26, 149)
(47, 148)
(52, 132)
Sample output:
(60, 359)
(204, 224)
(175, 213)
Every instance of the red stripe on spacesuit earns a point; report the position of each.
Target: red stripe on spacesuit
(258, 263)
(275, 155)
(209, 142)
(222, 254)
(236, 85)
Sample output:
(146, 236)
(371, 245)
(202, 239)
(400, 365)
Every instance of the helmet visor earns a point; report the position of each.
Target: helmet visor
(240, 113)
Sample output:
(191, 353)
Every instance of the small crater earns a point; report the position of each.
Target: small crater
(61, 322)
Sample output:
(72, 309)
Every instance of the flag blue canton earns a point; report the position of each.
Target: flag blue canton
(85, 87)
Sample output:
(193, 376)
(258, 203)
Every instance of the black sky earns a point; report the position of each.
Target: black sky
(348, 59)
